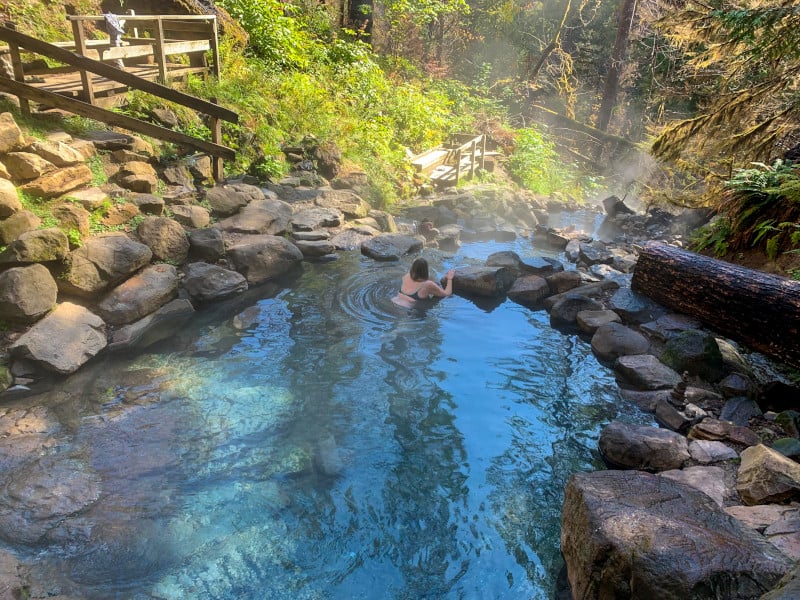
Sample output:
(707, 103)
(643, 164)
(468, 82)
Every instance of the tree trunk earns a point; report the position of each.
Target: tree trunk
(755, 308)
(609, 101)
(554, 43)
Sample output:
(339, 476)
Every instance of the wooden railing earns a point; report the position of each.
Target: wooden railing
(462, 155)
(90, 74)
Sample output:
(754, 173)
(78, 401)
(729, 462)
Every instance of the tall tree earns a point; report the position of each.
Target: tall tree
(625, 15)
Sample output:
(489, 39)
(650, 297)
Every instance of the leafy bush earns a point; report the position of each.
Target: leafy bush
(536, 165)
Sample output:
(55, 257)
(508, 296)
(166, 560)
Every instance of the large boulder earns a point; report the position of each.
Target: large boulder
(17, 224)
(11, 137)
(208, 283)
(263, 257)
(628, 446)
(160, 325)
(488, 282)
(25, 166)
(64, 340)
(102, 261)
(57, 153)
(207, 244)
(137, 176)
(229, 198)
(9, 199)
(268, 216)
(630, 535)
(140, 295)
(195, 217)
(529, 290)
(26, 293)
(716, 430)
(389, 246)
(40, 245)
(312, 219)
(613, 340)
(564, 313)
(345, 201)
(166, 238)
(645, 372)
(766, 475)
(695, 351)
(59, 182)
(589, 321)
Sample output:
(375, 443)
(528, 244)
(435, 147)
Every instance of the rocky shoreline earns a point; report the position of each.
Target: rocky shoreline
(703, 506)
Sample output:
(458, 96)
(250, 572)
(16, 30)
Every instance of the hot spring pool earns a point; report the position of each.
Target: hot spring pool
(323, 443)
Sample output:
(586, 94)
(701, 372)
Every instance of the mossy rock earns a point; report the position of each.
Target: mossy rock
(695, 352)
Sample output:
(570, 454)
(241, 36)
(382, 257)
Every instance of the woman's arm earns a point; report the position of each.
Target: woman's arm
(434, 289)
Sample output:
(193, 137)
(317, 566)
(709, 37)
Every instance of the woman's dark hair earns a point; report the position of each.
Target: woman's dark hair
(419, 270)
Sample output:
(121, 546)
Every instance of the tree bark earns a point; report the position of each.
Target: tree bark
(758, 309)
(609, 101)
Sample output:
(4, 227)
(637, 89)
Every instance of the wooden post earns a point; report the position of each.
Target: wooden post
(216, 67)
(215, 125)
(19, 73)
(458, 165)
(473, 145)
(161, 58)
(483, 152)
(79, 34)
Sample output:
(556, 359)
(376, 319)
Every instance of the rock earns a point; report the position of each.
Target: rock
(346, 201)
(10, 134)
(316, 218)
(736, 384)
(148, 204)
(714, 429)
(613, 340)
(670, 417)
(633, 535)
(269, 216)
(590, 320)
(103, 261)
(17, 224)
(229, 198)
(789, 447)
(40, 245)
(210, 283)
(192, 216)
(668, 326)
(694, 351)
(90, 198)
(785, 535)
(166, 239)
(564, 313)
(626, 446)
(707, 451)
(26, 293)
(24, 166)
(57, 153)
(709, 480)
(137, 176)
(140, 295)
(207, 244)
(315, 249)
(529, 290)
(761, 516)
(594, 252)
(388, 246)
(316, 235)
(646, 372)
(739, 411)
(160, 325)
(353, 238)
(489, 282)
(385, 220)
(9, 199)
(508, 259)
(59, 182)
(647, 400)
(263, 257)
(613, 205)
(104, 139)
(563, 281)
(590, 290)
(165, 117)
(64, 340)
(72, 217)
(632, 307)
(200, 167)
(766, 476)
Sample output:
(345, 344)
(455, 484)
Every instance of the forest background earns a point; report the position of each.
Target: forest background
(669, 102)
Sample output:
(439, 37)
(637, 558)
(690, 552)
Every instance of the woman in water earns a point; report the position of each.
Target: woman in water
(416, 285)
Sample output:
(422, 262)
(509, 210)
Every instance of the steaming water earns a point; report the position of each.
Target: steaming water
(324, 443)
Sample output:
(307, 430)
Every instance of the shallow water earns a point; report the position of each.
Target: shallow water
(325, 443)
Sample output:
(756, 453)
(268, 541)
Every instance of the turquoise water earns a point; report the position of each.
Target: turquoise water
(321, 442)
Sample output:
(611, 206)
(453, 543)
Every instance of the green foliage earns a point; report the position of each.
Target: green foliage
(95, 164)
(75, 238)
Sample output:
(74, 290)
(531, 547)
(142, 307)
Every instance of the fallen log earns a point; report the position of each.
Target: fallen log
(758, 309)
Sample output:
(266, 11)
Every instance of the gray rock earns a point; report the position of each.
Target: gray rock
(646, 372)
(613, 340)
(148, 204)
(102, 261)
(227, 199)
(269, 216)
(263, 257)
(140, 295)
(207, 244)
(694, 351)
(17, 224)
(353, 238)
(529, 290)
(64, 340)
(346, 201)
(166, 239)
(789, 447)
(714, 429)
(709, 480)
(739, 411)
(629, 534)
(668, 326)
(179, 175)
(633, 307)
(137, 176)
(707, 451)
(595, 252)
(317, 218)
(489, 282)
(160, 325)
(195, 217)
(590, 290)
(27, 293)
(564, 313)
(389, 246)
(90, 198)
(563, 281)
(736, 384)
(316, 235)
(590, 320)
(40, 245)
(767, 476)
(627, 446)
(315, 249)
(210, 283)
